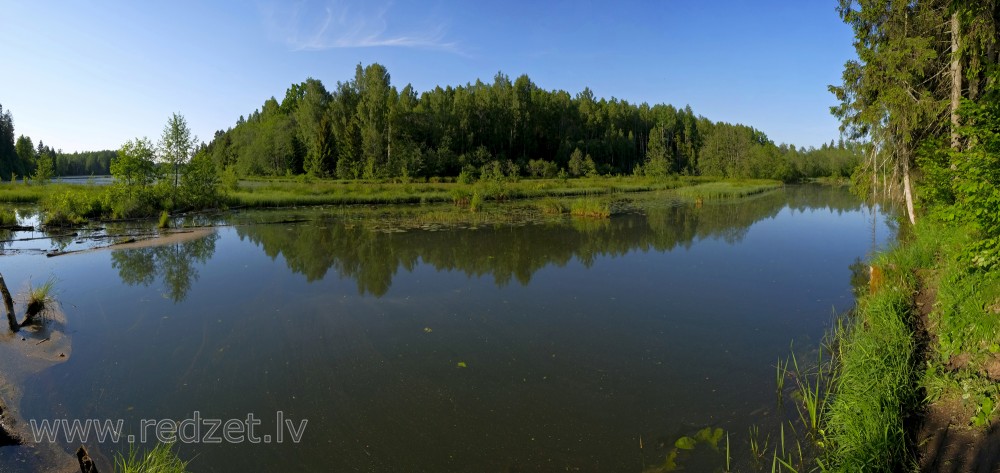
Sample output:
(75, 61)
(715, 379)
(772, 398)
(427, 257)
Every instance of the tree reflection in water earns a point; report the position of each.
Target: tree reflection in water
(371, 258)
(173, 263)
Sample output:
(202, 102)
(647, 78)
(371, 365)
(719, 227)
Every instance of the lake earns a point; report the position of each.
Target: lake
(532, 343)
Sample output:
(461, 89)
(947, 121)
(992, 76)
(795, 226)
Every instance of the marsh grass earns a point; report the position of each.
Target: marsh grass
(38, 300)
(161, 459)
(288, 192)
(590, 207)
(8, 217)
(551, 206)
(728, 189)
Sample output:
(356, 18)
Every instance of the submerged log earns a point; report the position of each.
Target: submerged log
(8, 303)
(87, 464)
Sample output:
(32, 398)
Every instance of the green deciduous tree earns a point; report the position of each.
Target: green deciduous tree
(134, 171)
(313, 117)
(176, 144)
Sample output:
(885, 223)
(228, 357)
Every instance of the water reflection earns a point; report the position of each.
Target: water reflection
(372, 257)
(550, 344)
(173, 264)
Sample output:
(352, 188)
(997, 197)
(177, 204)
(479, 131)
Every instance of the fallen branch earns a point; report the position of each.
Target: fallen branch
(8, 303)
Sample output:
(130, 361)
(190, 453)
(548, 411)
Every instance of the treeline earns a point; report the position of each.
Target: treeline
(21, 158)
(367, 128)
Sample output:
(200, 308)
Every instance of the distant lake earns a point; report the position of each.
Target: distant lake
(96, 180)
(561, 344)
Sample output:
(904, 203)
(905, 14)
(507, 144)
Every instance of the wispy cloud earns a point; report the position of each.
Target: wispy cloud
(318, 25)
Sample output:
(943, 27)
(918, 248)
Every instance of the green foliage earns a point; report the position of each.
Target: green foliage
(581, 166)
(200, 183)
(161, 459)
(164, 221)
(493, 181)
(230, 180)
(69, 208)
(367, 128)
(657, 162)
(87, 163)
(25, 152)
(176, 144)
(465, 177)
(44, 171)
(976, 177)
(133, 194)
(8, 217)
(10, 161)
(541, 168)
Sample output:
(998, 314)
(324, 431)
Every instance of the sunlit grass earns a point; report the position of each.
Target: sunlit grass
(292, 192)
(728, 189)
(590, 207)
(8, 217)
(161, 459)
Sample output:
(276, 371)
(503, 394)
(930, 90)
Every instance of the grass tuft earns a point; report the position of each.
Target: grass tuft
(164, 221)
(590, 207)
(38, 299)
(161, 459)
(551, 206)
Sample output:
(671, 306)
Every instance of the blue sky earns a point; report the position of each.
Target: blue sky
(88, 75)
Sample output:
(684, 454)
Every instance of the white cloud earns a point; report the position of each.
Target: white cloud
(318, 25)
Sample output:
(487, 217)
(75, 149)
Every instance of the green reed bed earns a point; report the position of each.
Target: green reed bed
(728, 189)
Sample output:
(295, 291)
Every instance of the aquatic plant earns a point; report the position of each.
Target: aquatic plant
(161, 459)
(590, 207)
(550, 206)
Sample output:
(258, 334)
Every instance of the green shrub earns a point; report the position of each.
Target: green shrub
(70, 208)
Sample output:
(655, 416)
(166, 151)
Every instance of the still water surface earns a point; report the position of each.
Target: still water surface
(553, 345)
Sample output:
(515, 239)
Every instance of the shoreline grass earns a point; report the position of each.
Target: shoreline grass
(590, 207)
(885, 373)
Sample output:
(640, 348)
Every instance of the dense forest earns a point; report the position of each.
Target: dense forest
(366, 128)
(21, 158)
